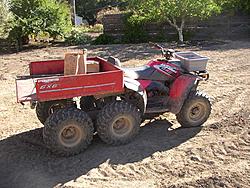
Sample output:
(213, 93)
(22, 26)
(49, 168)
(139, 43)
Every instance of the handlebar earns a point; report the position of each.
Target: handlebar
(157, 46)
(167, 53)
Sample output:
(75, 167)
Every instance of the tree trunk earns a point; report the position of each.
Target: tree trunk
(179, 29)
(73, 11)
(180, 34)
(19, 44)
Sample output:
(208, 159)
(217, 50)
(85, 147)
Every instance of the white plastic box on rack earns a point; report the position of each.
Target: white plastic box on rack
(192, 61)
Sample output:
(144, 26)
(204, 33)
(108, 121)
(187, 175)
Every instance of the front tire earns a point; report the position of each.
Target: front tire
(118, 123)
(68, 131)
(195, 110)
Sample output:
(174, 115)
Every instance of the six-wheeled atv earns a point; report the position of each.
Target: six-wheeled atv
(113, 101)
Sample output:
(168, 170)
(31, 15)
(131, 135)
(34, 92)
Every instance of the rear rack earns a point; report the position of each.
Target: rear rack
(192, 61)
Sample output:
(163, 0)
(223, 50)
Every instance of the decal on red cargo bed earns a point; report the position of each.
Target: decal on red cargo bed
(49, 86)
(54, 86)
(49, 80)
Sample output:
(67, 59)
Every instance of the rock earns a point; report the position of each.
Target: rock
(195, 158)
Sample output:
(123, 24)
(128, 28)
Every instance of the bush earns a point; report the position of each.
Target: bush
(104, 39)
(6, 18)
(77, 37)
(41, 37)
(134, 31)
(233, 6)
(32, 17)
(97, 28)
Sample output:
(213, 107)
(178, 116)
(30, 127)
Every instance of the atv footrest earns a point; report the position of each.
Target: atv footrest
(156, 110)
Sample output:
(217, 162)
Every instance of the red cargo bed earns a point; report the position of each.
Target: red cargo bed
(46, 82)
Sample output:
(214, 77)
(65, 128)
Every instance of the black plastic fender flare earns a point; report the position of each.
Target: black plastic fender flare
(134, 85)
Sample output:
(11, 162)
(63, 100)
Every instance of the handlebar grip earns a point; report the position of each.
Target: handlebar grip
(156, 45)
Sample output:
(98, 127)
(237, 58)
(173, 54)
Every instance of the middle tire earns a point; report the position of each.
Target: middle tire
(118, 123)
(68, 131)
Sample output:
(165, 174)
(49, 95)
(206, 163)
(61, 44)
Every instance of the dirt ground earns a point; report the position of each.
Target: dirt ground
(163, 155)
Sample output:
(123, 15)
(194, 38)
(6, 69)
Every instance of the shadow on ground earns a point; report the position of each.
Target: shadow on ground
(25, 162)
(137, 51)
(126, 52)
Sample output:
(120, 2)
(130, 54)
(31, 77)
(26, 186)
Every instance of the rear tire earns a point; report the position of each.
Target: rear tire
(118, 123)
(45, 109)
(195, 110)
(68, 131)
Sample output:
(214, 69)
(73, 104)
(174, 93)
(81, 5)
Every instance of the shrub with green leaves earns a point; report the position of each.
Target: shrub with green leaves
(89, 9)
(97, 28)
(77, 37)
(134, 31)
(32, 17)
(235, 5)
(6, 18)
(104, 39)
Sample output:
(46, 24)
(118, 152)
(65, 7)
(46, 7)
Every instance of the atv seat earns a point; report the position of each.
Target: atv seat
(139, 73)
(114, 61)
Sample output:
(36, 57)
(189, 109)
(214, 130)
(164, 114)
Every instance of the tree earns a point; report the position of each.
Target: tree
(175, 12)
(5, 17)
(34, 16)
(89, 9)
(235, 5)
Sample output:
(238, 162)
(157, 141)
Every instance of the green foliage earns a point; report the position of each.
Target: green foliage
(244, 5)
(41, 37)
(34, 16)
(134, 31)
(5, 18)
(88, 9)
(235, 5)
(78, 34)
(104, 39)
(174, 11)
(97, 28)
(77, 37)
(160, 10)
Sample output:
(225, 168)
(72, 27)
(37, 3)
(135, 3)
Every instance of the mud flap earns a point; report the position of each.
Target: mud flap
(137, 87)
(180, 90)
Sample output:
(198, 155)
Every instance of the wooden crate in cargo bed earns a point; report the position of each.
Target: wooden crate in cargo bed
(75, 63)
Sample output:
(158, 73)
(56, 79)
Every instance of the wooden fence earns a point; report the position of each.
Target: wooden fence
(217, 27)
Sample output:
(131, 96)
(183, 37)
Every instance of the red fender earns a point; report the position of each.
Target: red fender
(179, 91)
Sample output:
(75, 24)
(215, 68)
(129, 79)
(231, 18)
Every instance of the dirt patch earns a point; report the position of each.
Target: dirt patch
(163, 155)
